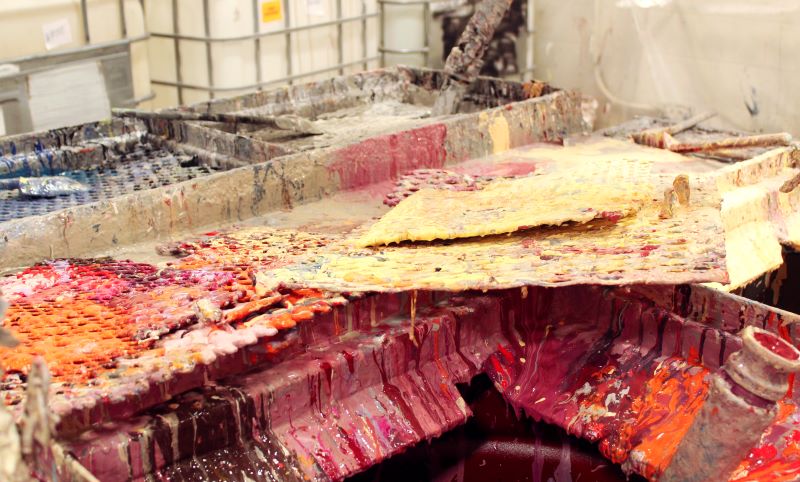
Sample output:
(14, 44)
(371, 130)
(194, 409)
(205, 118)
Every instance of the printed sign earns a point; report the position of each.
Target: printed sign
(56, 34)
(271, 11)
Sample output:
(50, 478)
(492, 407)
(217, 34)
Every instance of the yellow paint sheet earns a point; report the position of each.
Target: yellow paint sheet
(592, 190)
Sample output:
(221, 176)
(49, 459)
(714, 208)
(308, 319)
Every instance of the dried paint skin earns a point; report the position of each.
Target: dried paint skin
(505, 206)
(419, 179)
(634, 249)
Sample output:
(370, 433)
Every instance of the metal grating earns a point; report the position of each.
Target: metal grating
(144, 168)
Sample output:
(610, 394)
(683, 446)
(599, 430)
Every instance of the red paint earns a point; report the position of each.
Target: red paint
(351, 361)
(764, 453)
(612, 216)
(783, 330)
(776, 345)
(386, 157)
(646, 249)
(506, 354)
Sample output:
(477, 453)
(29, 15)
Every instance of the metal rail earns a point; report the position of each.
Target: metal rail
(289, 79)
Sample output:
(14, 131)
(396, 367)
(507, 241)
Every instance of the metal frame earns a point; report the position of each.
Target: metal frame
(256, 36)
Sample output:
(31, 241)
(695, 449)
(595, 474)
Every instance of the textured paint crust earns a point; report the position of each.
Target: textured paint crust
(644, 248)
(589, 191)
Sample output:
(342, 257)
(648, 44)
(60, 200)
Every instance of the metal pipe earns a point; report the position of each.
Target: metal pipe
(288, 31)
(176, 43)
(401, 2)
(66, 52)
(529, 40)
(265, 83)
(85, 19)
(339, 35)
(122, 23)
(138, 100)
(382, 27)
(257, 41)
(364, 33)
(423, 50)
(209, 59)
(282, 31)
(45, 68)
(426, 21)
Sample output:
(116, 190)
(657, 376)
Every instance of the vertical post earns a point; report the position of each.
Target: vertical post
(123, 27)
(339, 36)
(176, 44)
(364, 51)
(287, 23)
(257, 46)
(381, 35)
(85, 20)
(426, 19)
(209, 59)
(529, 41)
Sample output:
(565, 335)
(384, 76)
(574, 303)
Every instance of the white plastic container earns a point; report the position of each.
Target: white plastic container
(234, 63)
(405, 34)
(42, 26)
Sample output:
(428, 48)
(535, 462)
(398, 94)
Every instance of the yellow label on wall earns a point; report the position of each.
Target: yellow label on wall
(271, 11)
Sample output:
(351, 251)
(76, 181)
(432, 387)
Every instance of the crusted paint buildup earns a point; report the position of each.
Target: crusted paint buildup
(505, 206)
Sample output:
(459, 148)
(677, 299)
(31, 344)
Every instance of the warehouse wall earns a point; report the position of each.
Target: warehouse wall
(740, 58)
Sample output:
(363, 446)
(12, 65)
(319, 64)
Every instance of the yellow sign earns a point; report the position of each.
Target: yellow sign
(271, 11)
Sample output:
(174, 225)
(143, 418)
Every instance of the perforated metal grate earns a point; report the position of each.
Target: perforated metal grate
(144, 168)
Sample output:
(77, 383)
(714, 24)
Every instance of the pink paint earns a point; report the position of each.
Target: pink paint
(386, 157)
(777, 346)
(500, 169)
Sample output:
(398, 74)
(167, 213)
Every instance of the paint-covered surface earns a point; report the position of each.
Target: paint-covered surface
(68, 148)
(625, 367)
(633, 382)
(273, 176)
(574, 193)
(119, 336)
(238, 256)
(290, 345)
(635, 249)
(144, 168)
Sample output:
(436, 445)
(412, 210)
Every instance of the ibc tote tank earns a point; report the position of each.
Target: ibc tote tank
(24, 25)
(234, 62)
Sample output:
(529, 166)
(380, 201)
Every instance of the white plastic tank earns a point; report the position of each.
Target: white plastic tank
(405, 34)
(234, 63)
(42, 26)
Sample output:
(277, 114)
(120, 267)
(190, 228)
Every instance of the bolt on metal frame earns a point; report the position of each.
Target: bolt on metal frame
(256, 37)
